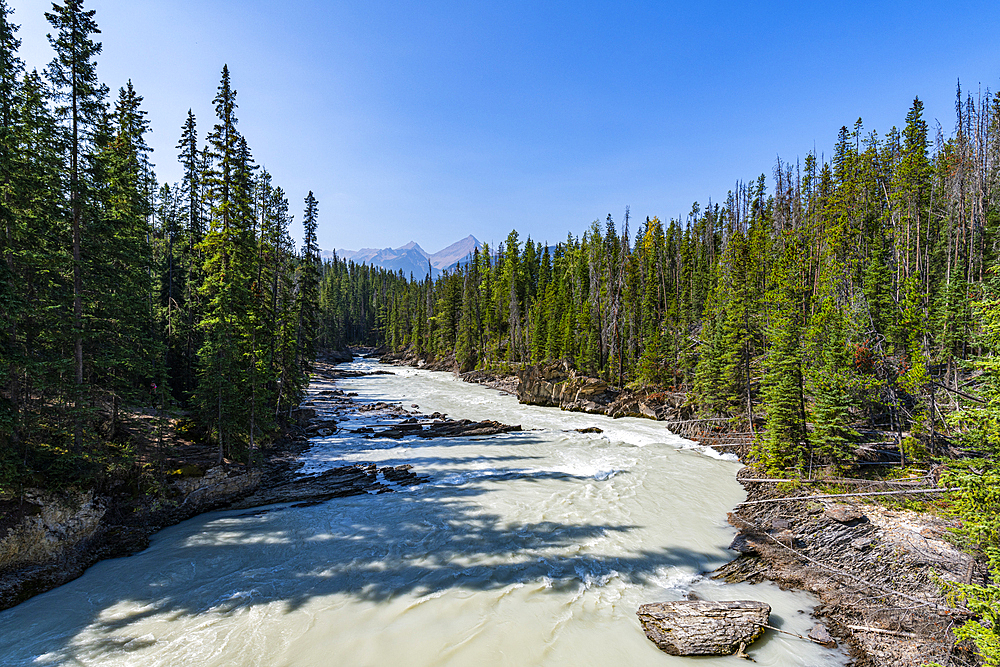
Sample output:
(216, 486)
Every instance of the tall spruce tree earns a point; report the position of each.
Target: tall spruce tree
(784, 401)
(73, 73)
(309, 286)
(12, 239)
(228, 252)
(120, 261)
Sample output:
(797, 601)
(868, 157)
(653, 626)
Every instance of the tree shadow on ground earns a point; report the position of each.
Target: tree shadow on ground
(369, 548)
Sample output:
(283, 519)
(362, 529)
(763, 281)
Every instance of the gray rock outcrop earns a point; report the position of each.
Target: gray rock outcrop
(558, 384)
(699, 627)
(62, 521)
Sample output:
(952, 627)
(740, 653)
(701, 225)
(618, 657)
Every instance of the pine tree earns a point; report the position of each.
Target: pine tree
(976, 484)
(41, 259)
(783, 378)
(465, 345)
(120, 260)
(228, 252)
(73, 73)
(832, 437)
(190, 261)
(309, 286)
(12, 237)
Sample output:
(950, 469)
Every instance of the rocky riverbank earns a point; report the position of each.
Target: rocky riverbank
(55, 537)
(557, 384)
(61, 534)
(51, 538)
(874, 568)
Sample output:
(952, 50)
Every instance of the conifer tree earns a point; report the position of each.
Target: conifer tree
(40, 264)
(976, 485)
(73, 73)
(783, 378)
(191, 260)
(308, 286)
(120, 259)
(466, 347)
(832, 438)
(12, 238)
(225, 290)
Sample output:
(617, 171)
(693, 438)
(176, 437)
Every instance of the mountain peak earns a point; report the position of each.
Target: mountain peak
(411, 258)
(457, 252)
(413, 245)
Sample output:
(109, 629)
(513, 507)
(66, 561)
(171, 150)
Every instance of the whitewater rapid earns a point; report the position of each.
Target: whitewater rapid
(529, 548)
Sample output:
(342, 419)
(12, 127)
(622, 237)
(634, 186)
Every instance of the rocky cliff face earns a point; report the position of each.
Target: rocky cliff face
(557, 384)
(62, 534)
(425, 361)
(60, 521)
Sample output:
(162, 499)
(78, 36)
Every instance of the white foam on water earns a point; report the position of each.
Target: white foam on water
(531, 548)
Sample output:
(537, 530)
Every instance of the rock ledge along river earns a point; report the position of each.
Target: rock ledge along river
(525, 548)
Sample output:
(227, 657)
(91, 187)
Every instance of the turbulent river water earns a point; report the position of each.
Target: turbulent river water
(531, 548)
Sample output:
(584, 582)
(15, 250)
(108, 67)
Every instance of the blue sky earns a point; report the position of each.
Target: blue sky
(432, 120)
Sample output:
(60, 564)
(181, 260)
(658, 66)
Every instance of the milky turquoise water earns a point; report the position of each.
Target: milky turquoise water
(530, 548)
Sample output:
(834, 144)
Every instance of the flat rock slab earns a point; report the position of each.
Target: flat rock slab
(700, 627)
(844, 513)
(338, 482)
(462, 428)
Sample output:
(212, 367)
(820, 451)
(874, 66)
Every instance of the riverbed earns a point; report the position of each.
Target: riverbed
(527, 548)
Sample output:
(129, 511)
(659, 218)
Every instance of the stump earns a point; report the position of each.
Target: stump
(699, 627)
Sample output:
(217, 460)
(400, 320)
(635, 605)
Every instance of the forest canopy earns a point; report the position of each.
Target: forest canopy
(124, 295)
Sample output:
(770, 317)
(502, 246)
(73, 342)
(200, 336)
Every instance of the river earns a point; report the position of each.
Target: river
(530, 548)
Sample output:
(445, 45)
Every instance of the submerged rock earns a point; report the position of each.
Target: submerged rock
(821, 636)
(447, 429)
(698, 627)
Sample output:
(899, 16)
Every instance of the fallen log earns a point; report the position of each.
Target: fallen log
(843, 495)
(913, 481)
(894, 633)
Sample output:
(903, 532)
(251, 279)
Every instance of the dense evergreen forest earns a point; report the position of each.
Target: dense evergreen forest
(859, 292)
(122, 296)
(854, 289)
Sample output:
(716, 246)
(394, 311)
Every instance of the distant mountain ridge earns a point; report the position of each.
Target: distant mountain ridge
(411, 258)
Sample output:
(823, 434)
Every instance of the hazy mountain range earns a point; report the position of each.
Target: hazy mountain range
(411, 258)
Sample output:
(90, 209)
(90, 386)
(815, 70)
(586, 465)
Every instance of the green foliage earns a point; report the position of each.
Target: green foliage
(976, 491)
(783, 444)
(976, 498)
(983, 420)
(756, 305)
(830, 382)
(114, 296)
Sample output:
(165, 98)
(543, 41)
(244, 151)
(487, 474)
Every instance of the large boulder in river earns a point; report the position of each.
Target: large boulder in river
(336, 356)
(539, 385)
(699, 627)
(557, 384)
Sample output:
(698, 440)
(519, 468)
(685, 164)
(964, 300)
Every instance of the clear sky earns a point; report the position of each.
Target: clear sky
(430, 120)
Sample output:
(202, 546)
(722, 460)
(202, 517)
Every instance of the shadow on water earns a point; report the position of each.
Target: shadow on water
(369, 548)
